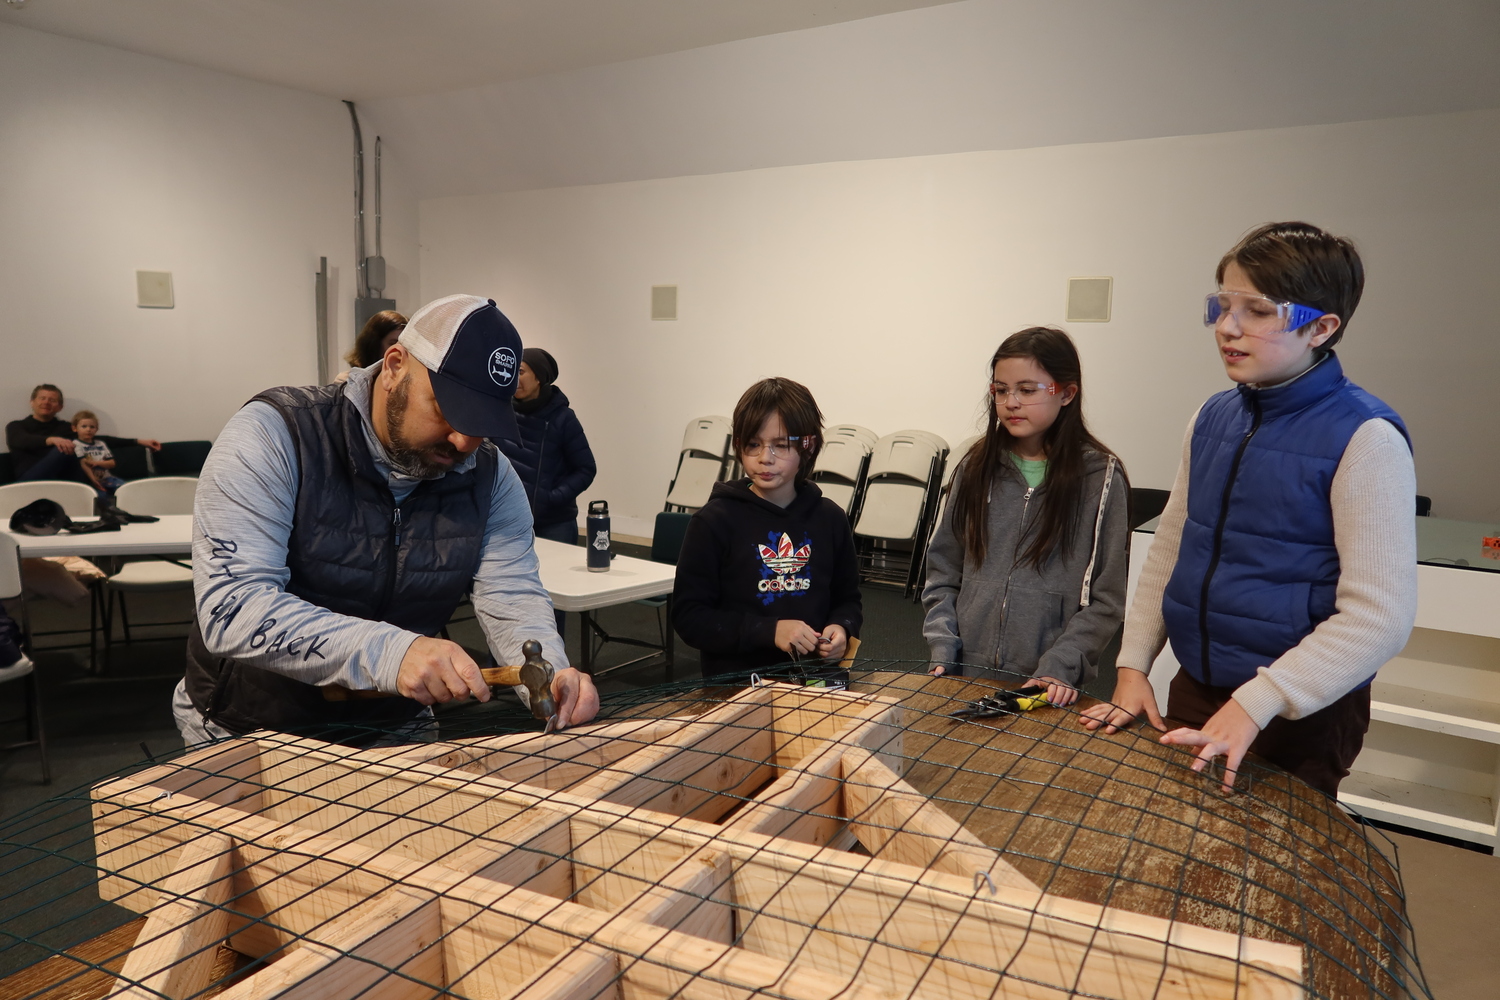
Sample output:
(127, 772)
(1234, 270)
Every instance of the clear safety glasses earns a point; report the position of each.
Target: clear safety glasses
(780, 446)
(1025, 393)
(1257, 315)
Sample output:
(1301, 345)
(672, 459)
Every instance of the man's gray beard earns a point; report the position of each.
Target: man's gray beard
(404, 458)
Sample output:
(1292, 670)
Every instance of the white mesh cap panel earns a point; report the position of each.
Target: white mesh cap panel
(429, 333)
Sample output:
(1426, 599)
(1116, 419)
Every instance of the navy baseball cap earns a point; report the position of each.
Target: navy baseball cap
(473, 355)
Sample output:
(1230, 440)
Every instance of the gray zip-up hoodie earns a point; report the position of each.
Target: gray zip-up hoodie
(1007, 615)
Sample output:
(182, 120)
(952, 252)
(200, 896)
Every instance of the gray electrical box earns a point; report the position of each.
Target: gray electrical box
(375, 274)
(365, 308)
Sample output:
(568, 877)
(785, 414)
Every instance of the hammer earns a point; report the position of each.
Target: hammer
(534, 673)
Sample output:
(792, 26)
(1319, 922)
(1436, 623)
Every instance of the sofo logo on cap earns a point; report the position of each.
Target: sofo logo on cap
(503, 366)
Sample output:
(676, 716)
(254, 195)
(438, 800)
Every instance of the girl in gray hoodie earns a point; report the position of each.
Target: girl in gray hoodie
(1026, 569)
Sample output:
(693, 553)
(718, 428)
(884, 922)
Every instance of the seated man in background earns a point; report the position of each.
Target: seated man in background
(336, 528)
(41, 445)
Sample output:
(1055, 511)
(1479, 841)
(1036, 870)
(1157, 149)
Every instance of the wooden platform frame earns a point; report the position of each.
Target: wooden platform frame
(702, 858)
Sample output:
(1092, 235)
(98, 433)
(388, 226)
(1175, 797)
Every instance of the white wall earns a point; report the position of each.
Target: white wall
(885, 284)
(113, 162)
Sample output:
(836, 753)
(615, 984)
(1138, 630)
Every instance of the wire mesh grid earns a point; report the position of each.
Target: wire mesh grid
(765, 838)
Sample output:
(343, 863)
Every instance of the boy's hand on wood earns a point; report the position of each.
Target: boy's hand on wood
(1133, 695)
(796, 637)
(1229, 732)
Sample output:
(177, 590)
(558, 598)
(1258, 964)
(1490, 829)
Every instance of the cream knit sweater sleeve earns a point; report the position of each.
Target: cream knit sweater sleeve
(1372, 498)
(1145, 628)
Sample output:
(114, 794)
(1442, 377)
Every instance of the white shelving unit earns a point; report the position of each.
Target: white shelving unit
(1431, 760)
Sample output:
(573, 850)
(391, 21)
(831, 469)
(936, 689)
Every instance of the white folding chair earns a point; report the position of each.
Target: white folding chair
(703, 460)
(901, 487)
(842, 465)
(77, 499)
(855, 431)
(24, 669)
(159, 496)
(956, 457)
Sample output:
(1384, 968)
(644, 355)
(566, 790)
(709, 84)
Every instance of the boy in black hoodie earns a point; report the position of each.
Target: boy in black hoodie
(767, 572)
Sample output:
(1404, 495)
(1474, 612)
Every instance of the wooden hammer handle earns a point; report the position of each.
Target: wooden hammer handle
(493, 676)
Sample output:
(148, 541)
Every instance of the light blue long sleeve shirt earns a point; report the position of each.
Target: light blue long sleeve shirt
(242, 521)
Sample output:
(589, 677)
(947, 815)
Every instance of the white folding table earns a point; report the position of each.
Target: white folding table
(564, 572)
(170, 536)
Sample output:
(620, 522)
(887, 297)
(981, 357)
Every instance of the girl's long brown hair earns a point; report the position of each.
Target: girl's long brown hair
(1066, 442)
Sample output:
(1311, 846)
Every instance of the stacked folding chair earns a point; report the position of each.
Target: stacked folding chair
(843, 464)
(901, 493)
(705, 459)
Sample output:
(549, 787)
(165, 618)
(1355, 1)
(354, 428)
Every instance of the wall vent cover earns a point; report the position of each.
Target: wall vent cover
(663, 301)
(153, 289)
(1089, 299)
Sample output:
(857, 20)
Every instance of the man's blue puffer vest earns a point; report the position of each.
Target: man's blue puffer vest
(345, 554)
(1257, 569)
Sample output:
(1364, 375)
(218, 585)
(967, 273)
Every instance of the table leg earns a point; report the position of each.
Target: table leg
(586, 641)
(669, 647)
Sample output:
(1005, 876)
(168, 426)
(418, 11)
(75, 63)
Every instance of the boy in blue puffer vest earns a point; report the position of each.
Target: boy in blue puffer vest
(1284, 569)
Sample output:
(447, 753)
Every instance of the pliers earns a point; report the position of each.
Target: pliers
(1004, 702)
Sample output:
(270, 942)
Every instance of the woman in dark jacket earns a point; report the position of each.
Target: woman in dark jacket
(552, 456)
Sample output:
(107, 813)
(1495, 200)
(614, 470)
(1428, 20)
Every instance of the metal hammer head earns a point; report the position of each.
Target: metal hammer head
(536, 675)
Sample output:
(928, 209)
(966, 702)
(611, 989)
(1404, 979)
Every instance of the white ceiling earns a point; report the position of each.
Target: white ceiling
(977, 75)
(363, 49)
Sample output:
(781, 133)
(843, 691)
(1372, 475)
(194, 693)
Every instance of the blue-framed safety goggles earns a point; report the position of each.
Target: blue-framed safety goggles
(1257, 313)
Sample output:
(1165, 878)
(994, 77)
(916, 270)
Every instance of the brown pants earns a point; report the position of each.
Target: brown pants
(1319, 748)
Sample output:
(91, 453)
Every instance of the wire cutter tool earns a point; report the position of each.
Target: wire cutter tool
(1004, 702)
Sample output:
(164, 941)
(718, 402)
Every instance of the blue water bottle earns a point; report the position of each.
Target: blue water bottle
(598, 536)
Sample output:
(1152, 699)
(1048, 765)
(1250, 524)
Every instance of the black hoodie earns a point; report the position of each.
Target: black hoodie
(747, 563)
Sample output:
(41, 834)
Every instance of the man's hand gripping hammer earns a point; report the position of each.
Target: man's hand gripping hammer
(534, 673)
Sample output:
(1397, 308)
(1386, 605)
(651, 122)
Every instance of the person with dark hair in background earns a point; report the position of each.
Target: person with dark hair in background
(1284, 569)
(379, 333)
(550, 452)
(41, 445)
(767, 573)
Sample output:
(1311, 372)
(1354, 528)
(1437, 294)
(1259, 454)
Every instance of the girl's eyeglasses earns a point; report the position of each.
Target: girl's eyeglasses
(780, 446)
(1257, 315)
(1025, 393)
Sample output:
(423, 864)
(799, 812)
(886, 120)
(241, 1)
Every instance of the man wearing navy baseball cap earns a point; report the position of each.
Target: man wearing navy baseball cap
(336, 528)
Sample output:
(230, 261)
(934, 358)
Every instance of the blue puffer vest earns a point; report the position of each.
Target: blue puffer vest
(552, 458)
(344, 555)
(1257, 569)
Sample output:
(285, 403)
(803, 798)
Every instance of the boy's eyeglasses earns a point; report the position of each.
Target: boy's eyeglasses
(1025, 393)
(1257, 315)
(780, 446)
